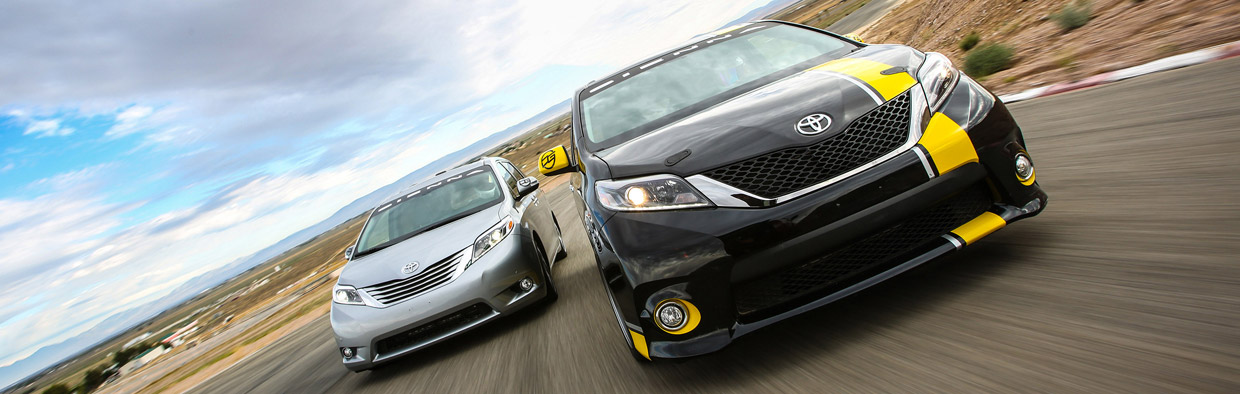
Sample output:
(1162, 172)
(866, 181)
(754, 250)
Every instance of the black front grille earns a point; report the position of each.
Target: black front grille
(398, 290)
(433, 330)
(864, 258)
(869, 137)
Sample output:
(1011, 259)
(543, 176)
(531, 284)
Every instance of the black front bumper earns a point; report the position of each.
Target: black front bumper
(747, 268)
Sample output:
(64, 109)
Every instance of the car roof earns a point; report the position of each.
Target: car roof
(444, 174)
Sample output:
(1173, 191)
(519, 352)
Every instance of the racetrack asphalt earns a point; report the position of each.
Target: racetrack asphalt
(864, 16)
(1128, 282)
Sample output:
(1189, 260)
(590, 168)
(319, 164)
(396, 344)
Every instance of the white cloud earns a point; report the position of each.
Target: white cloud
(139, 118)
(133, 113)
(520, 37)
(47, 128)
(79, 179)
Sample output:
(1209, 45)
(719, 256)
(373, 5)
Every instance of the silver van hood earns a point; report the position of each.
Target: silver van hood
(426, 248)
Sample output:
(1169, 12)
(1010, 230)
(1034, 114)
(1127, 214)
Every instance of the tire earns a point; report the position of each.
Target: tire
(548, 282)
(560, 235)
(563, 250)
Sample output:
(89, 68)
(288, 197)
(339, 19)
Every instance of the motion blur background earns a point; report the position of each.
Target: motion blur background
(178, 182)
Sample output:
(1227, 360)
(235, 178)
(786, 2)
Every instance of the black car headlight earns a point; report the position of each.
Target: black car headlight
(938, 78)
(490, 238)
(347, 295)
(650, 193)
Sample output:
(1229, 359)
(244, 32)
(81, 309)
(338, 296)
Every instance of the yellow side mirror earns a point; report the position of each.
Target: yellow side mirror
(854, 37)
(554, 161)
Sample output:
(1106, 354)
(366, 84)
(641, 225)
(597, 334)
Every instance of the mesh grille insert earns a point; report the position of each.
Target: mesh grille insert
(842, 267)
(867, 138)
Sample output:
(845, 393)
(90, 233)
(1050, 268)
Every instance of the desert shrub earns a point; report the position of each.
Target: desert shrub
(969, 41)
(59, 388)
(1065, 58)
(1074, 14)
(988, 59)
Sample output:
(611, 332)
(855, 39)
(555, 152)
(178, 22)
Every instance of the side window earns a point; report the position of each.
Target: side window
(509, 178)
(513, 168)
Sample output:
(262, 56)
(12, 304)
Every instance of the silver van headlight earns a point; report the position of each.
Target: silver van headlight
(347, 295)
(490, 238)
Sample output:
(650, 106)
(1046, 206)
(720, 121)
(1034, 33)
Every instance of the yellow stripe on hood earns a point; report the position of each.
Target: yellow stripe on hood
(871, 72)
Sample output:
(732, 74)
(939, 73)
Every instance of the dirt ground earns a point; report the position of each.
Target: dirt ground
(1120, 34)
(244, 351)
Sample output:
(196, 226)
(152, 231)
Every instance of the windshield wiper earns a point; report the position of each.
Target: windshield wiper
(372, 250)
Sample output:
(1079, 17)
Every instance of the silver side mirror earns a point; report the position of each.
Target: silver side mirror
(526, 186)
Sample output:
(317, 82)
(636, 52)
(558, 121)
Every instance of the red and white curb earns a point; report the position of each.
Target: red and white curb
(1169, 63)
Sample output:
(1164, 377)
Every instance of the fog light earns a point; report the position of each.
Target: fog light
(671, 315)
(1024, 167)
(526, 284)
(348, 352)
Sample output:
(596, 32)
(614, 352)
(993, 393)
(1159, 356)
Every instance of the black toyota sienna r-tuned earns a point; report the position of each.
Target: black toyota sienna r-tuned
(771, 168)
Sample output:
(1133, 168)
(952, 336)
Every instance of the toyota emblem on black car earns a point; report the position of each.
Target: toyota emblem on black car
(409, 268)
(814, 124)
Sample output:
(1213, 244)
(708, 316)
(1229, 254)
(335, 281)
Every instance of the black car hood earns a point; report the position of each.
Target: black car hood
(754, 123)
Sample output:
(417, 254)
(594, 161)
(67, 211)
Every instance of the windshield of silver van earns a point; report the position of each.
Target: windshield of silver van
(434, 205)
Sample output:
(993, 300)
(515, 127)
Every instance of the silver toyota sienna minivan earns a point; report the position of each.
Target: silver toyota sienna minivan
(448, 254)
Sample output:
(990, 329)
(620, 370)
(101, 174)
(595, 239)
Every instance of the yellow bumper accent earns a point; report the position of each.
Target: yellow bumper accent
(979, 227)
(871, 72)
(639, 342)
(948, 144)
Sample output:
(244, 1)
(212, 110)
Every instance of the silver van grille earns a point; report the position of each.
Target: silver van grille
(438, 274)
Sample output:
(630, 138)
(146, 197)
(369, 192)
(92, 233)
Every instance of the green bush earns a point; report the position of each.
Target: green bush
(1073, 15)
(988, 59)
(93, 379)
(59, 388)
(970, 41)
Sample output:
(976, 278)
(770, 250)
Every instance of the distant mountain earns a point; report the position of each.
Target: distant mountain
(52, 355)
(763, 11)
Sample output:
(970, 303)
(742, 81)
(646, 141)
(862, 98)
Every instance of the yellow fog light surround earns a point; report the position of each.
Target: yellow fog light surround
(1024, 169)
(676, 316)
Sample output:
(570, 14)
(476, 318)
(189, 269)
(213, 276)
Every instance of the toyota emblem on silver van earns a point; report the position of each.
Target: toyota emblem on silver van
(409, 268)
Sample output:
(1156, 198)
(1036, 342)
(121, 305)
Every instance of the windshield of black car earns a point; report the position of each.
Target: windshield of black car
(669, 90)
(436, 204)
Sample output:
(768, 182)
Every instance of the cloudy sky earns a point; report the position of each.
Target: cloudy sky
(145, 143)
